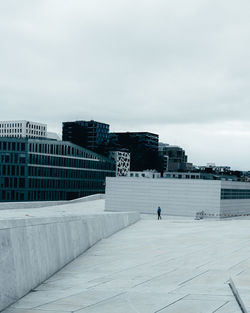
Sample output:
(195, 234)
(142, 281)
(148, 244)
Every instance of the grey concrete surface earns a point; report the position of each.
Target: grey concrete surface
(34, 244)
(166, 266)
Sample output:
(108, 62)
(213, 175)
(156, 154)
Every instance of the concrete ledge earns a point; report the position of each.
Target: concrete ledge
(41, 204)
(34, 249)
(237, 296)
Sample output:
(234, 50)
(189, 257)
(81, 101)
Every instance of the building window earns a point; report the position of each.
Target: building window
(235, 194)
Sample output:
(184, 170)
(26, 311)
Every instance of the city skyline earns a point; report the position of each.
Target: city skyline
(177, 69)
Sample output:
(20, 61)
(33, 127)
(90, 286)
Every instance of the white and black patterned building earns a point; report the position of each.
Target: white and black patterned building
(122, 160)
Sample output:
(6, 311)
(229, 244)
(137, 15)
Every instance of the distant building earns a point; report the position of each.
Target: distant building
(122, 161)
(91, 135)
(199, 175)
(53, 136)
(173, 158)
(182, 175)
(214, 168)
(143, 148)
(22, 129)
(163, 157)
(145, 174)
(40, 169)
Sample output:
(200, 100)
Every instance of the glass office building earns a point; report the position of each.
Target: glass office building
(92, 135)
(143, 148)
(40, 169)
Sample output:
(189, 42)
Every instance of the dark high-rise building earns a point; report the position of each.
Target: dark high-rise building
(143, 148)
(173, 158)
(91, 135)
(41, 169)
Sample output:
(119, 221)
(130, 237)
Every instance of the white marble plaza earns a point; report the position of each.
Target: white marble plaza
(168, 266)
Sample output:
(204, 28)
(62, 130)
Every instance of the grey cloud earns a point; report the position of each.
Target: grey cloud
(127, 63)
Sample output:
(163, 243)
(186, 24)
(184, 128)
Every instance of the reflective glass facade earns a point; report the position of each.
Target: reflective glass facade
(38, 170)
(235, 194)
(87, 134)
(143, 148)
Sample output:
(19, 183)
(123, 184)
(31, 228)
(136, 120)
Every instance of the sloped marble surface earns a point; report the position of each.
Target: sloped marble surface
(167, 266)
(36, 243)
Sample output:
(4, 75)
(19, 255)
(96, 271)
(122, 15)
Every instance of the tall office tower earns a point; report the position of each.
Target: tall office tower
(41, 169)
(22, 129)
(143, 148)
(173, 158)
(91, 135)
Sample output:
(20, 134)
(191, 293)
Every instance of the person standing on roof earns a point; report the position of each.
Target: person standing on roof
(159, 213)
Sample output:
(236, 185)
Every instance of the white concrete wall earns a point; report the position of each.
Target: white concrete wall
(235, 206)
(31, 250)
(182, 197)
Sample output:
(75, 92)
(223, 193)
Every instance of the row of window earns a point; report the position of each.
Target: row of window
(12, 195)
(18, 133)
(22, 136)
(13, 136)
(3, 125)
(12, 146)
(66, 184)
(12, 182)
(66, 173)
(27, 124)
(33, 126)
(18, 158)
(35, 132)
(235, 194)
(42, 195)
(12, 170)
(60, 149)
(10, 131)
(187, 176)
(69, 162)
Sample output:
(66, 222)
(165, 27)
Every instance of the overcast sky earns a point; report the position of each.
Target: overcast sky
(174, 67)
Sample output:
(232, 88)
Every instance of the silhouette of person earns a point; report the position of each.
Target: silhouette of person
(159, 213)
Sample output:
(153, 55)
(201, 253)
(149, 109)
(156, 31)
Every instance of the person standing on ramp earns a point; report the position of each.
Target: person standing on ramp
(159, 213)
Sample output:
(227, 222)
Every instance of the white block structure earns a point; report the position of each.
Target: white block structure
(183, 197)
(23, 129)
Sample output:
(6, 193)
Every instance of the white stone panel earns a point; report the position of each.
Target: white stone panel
(176, 197)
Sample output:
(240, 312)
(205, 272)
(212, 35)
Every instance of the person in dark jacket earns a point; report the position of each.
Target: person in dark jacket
(159, 213)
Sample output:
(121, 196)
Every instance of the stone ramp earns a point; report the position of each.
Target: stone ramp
(167, 266)
(36, 243)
